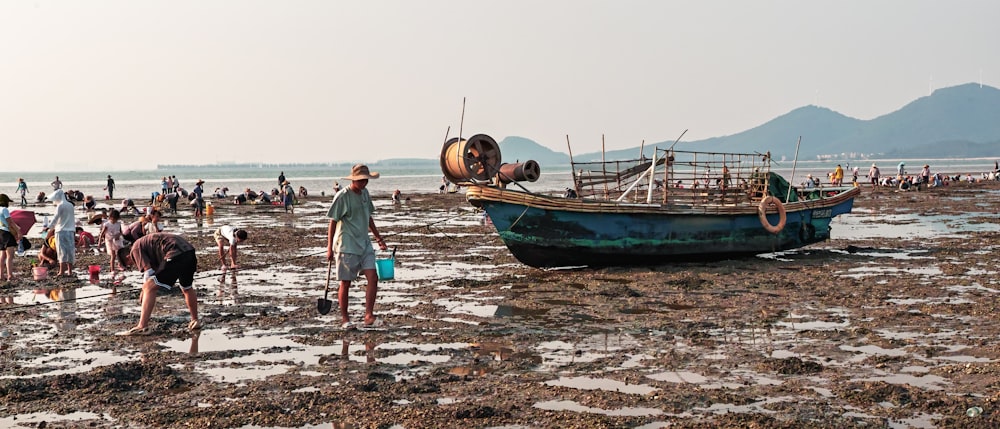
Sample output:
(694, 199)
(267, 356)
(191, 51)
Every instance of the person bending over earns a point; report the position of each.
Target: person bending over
(164, 259)
(228, 235)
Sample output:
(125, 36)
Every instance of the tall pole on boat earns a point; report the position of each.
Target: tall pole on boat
(676, 141)
(572, 168)
(604, 169)
(461, 121)
(652, 179)
(791, 181)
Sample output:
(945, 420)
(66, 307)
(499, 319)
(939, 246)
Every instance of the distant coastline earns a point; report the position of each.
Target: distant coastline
(397, 162)
(261, 165)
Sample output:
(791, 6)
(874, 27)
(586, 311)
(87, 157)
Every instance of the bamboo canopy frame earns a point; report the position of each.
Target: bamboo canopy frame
(676, 177)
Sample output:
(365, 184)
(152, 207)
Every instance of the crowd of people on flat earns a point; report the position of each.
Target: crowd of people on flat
(901, 179)
(167, 259)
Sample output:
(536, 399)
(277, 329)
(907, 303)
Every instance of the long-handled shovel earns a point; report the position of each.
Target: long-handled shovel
(323, 305)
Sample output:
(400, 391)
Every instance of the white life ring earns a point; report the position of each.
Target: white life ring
(765, 204)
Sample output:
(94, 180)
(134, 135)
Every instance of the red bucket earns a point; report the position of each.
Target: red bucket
(95, 274)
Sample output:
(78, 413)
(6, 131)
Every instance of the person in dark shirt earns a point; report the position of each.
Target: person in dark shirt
(111, 188)
(164, 259)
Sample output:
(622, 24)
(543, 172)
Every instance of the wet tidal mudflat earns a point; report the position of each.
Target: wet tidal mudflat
(892, 323)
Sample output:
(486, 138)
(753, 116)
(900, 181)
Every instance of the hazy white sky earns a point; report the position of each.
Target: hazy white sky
(128, 84)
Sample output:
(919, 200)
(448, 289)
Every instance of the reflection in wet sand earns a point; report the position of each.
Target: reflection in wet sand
(715, 340)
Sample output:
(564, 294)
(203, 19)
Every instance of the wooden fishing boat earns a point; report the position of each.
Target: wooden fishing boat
(677, 205)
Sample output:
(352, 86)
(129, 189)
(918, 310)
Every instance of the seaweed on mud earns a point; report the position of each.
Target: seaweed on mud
(687, 282)
(617, 291)
(790, 366)
(467, 283)
(700, 320)
(477, 412)
(118, 377)
(874, 392)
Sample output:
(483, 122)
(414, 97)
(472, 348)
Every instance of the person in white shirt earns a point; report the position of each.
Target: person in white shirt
(64, 225)
(232, 236)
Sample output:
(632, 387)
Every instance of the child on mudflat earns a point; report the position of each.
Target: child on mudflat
(111, 236)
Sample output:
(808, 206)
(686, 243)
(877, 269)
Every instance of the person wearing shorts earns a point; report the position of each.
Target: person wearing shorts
(164, 259)
(8, 242)
(348, 244)
(873, 175)
(228, 235)
(64, 224)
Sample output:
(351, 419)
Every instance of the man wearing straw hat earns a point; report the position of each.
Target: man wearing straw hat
(347, 243)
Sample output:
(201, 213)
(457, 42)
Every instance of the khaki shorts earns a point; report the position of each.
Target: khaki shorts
(350, 264)
(219, 238)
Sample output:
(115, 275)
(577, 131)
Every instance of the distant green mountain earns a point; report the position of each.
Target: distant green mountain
(514, 149)
(955, 122)
(955, 149)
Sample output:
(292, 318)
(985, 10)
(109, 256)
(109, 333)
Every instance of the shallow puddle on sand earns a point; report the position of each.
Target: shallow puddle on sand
(863, 352)
(574, 406)
(259, 353)
(895, 254)
(591, 383)
(331, 425)
(679, 377)
(866, 271)
(471, 307)
(590, 348)
(970, 288)
(932, 301)
(863, 224)
(71, 361)
(271, 353)
(45, 419)
(926, 381)
(922, 421)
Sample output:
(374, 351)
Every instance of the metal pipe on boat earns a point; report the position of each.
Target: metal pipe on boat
(652, 179)
(634, 184)
(527, 171)
(791, 180)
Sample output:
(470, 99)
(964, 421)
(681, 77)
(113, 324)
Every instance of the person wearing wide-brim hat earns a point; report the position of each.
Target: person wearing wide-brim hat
(198, 199)
(873, 176)
(288, 196)
(925, 176)
(347, 243)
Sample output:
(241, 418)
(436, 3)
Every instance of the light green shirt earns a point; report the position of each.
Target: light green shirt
(352, 212)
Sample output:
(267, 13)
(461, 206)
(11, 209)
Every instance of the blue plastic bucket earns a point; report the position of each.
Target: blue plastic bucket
(385, 268)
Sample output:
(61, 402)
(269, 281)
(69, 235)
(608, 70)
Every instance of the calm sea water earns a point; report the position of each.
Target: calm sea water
(140, 184)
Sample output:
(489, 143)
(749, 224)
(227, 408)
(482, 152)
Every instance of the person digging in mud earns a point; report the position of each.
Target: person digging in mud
(227, 234)
(164, 259)
(347, 241)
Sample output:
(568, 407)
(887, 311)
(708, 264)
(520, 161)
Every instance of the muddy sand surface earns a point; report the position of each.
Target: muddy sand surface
(893, 323)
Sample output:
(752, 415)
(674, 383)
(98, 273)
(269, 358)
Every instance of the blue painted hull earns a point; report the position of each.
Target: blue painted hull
(541, 234)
